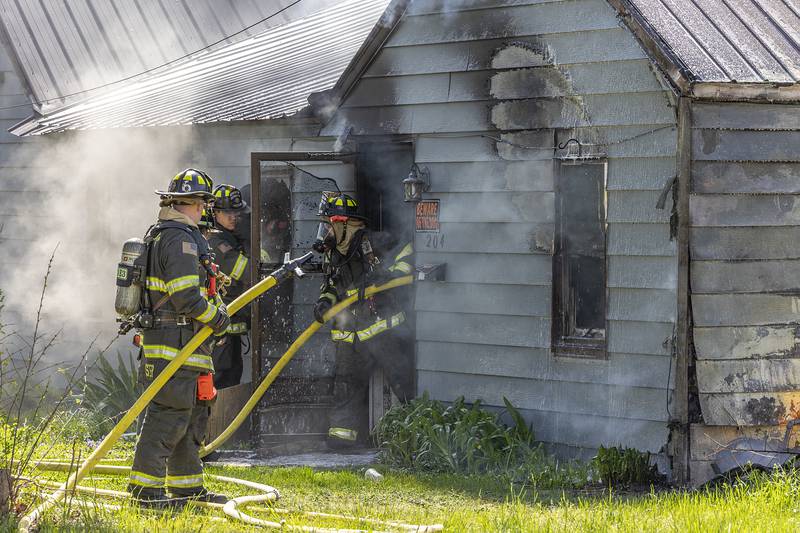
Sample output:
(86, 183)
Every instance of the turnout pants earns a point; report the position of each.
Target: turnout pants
(392, 351)
(173, 430)
(228, 364)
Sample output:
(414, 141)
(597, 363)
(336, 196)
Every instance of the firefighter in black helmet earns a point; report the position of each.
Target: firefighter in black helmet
(229, 244)
(371, 332)
(176, 298)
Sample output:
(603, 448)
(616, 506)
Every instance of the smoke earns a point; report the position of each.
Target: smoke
(95, 190)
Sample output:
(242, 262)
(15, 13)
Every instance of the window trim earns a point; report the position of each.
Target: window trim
(563, 345)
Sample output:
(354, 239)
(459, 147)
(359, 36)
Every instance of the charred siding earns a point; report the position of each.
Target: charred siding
(745, 268)
(485, 332)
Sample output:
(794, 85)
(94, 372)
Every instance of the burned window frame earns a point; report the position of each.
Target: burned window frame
(564, 343)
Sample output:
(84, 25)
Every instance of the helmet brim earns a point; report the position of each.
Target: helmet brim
(245, 209)
(204, 195)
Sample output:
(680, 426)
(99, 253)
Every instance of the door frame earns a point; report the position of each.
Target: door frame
(256, 158)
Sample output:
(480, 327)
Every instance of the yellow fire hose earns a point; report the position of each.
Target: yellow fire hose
(287, 357)
(269, 494)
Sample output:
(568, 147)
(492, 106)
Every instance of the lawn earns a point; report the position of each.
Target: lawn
(460, 503)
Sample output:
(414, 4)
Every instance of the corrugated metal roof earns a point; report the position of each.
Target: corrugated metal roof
(266, 76)
(728, 41)
(66, 47)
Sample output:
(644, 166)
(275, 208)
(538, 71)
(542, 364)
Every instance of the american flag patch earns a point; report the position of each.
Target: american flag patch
(189, 248)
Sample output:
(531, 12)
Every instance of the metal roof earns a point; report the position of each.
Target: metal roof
(727, 41)
(68, 47)
(266, 76)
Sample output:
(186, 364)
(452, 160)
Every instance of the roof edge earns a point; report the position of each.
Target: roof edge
(747, 92)
(655, 47)
(325, 104)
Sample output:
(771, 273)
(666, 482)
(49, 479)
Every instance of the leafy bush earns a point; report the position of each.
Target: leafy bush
(624, 467)
(426, 435)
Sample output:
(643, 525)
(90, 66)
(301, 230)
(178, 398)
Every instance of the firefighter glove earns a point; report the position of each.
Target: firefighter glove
(320, 308)
(220, 322)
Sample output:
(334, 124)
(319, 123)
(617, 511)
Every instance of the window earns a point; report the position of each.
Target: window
(579, 260)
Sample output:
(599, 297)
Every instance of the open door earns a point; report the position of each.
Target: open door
(286, 189)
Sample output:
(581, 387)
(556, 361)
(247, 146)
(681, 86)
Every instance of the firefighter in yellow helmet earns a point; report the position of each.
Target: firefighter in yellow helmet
(232, 254)
(370, 333)
(177, 303)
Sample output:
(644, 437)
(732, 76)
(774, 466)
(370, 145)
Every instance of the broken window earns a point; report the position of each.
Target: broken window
(579, 260)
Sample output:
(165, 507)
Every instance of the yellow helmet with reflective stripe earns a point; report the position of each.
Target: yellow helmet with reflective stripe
(229, 198)
(190, 182)
(342, 205)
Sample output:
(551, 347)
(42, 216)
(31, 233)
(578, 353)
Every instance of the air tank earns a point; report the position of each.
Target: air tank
(129, 282)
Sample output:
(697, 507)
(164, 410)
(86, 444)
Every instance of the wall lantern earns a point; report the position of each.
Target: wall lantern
(417, 182)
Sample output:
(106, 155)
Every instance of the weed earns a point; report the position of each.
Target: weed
(111, 392)
(625, 467)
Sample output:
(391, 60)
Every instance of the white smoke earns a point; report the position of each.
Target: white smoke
(97, 191)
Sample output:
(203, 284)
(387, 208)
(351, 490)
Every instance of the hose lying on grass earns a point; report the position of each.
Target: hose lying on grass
(234, 507)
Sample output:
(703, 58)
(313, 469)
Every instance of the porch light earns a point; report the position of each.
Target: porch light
(417, 182)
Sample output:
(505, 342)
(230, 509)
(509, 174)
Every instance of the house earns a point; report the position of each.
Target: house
(611, 186)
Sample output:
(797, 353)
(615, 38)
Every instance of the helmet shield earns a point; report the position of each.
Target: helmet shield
(189, 183)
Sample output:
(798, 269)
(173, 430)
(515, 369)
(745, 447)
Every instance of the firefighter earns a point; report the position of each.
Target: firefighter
(229, 244)
(375, 332)
(175, 421)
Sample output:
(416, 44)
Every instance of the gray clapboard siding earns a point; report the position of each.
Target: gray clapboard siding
(749, 375)
(578, 398)
(516, 300)
(636, 207)
(749, 408)
(745, 309)
(640, 240)
(541, 19)
(744, 210)
(745, 177)
(522, 176)
(598, 110)
(640, 173)
(454, 117)
(514, 269)
(532, 332)
(615, 44)
(746, 342)
(742, 116)
(731, 145)
(644, 305)
(496, 237)
(592, 431)
(633, 370)
(651, 338)
(656, 140)
(642, 272)
(447, 149)
(421, 89)
(613, 77)
(496, 207)
(745, 276)
(730, 243)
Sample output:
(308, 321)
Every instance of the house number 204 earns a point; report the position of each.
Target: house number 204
(434, 241)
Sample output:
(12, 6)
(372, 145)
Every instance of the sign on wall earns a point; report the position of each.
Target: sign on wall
(427, 218)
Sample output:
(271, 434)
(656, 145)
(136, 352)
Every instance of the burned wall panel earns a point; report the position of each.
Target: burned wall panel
(744, 270)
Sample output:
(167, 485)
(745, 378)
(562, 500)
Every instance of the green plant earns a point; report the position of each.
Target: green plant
(112, 391)
(624, 467)
(426, 435)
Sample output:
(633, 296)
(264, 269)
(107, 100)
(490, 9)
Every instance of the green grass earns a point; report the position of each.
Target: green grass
(468, 503)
